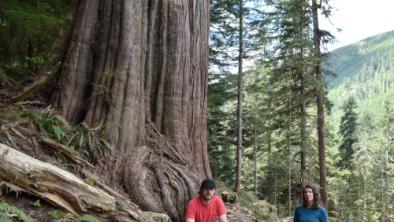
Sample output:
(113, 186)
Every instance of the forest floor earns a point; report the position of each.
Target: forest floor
(34, 208)
(35, 116)
(23, 126)
(248, 208)
(241, 214)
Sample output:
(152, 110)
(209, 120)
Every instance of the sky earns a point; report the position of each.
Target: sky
(358, 19)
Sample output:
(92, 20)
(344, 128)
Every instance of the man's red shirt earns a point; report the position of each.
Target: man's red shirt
(200, 212)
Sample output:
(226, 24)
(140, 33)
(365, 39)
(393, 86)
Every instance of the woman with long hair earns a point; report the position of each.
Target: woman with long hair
(311, 210)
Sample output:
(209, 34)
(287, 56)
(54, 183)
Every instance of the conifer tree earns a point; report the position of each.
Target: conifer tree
(386, 153)
(363, 184)
(320, 91)
(347, 148)
(221, 116)
(231, 43)
(348, 132)
(291, 59)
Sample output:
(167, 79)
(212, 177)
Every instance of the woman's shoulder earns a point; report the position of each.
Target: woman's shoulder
(322, 209)
(299, 207)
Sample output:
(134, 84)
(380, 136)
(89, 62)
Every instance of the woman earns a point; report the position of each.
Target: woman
(310, 210)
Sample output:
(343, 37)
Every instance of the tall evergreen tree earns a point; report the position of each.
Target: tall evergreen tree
(364, 184)
(221, 116)
(320, 92)
(347, 148)
(348, 132)
(291, 59)
(386, 153)
(237, 187)
(231, 43)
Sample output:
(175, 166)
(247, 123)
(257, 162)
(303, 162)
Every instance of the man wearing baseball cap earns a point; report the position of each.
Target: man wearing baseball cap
(206, 207)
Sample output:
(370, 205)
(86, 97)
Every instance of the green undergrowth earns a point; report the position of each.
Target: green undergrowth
(23, 43)
(59, 214)
(81, 138)
(262, 210)
(9, 114)
(9, 213)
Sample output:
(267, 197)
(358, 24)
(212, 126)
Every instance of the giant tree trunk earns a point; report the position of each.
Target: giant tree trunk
(140, 66)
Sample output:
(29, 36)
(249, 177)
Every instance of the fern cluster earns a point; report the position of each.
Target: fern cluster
(8, 213)
(81, 138)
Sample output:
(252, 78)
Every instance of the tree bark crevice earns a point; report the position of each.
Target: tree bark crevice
(76, 70)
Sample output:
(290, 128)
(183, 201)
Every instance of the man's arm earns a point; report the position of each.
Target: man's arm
(221, 211)
(223, 218)
(190, 213)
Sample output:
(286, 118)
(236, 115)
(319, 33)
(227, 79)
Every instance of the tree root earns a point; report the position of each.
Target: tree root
(157, 179)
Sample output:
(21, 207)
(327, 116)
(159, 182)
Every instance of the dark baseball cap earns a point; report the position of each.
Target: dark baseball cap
(208, 183)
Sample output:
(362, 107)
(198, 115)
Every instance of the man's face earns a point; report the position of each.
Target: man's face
(207, 193)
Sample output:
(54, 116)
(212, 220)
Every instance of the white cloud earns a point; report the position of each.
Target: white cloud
(359, 19)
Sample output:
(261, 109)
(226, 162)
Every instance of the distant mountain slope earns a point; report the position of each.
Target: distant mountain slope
(365, 70)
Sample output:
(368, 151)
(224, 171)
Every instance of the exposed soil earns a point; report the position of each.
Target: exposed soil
(33, 207)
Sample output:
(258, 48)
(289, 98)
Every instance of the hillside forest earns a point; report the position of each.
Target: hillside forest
(117, 110)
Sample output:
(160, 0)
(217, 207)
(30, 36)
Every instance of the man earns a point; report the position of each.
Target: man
(206, 207)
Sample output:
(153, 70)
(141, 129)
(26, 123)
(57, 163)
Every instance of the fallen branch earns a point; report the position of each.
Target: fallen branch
(36, 86)
(52, 183)
(33, 102)
(64, 149)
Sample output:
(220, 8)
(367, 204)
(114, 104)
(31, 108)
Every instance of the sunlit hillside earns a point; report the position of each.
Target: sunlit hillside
(365, 71)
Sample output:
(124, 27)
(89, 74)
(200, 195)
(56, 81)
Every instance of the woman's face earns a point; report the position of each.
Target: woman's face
(308, 195)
